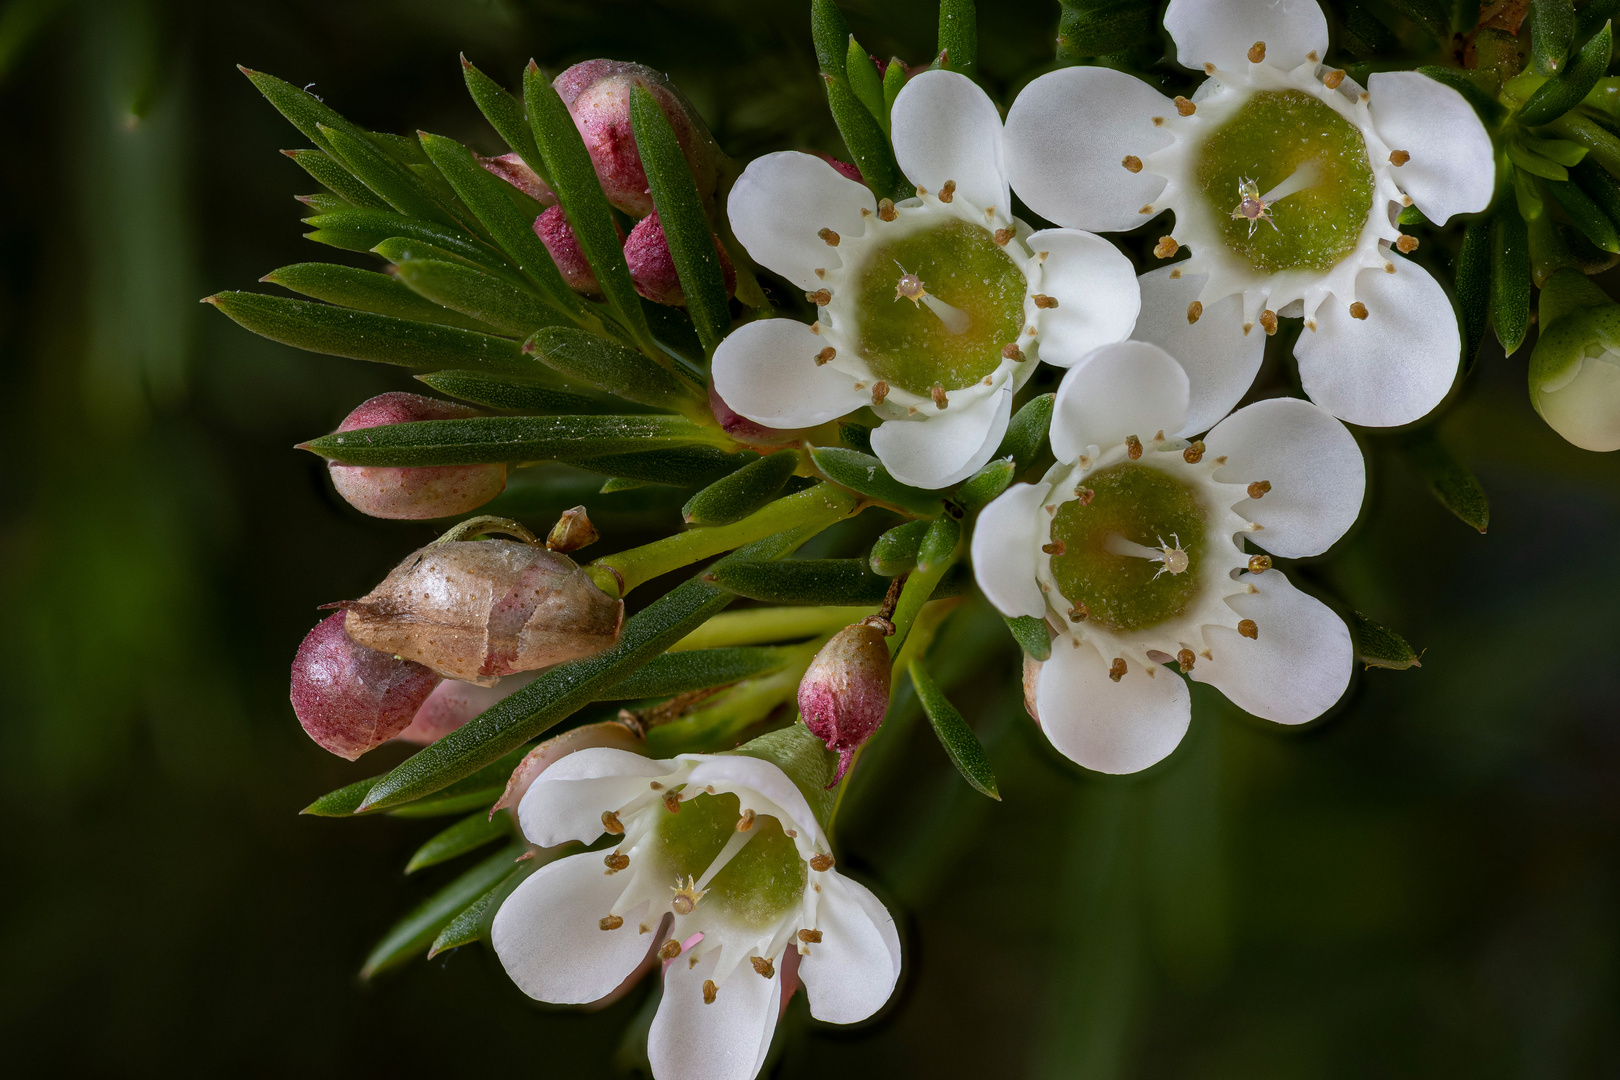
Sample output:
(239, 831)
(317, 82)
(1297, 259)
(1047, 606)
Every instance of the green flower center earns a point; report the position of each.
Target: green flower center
(1147, 507)
(760, 884)
(1273, 136)
(908, 344)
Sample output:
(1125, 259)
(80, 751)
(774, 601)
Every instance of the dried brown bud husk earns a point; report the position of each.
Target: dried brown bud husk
(572, 531)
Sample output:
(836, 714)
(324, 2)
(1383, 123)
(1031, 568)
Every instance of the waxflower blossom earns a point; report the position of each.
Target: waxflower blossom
(723, 869)
(933, 310)
(1131, 548)
(1284, 176)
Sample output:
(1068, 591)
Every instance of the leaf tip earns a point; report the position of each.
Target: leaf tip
(214, 300)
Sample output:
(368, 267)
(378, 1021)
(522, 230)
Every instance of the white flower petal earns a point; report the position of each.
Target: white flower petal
(1220, 32)
(725, 1040)
(1314, 466)
(1130, 388)
(1107, 726)
(852, 971)
(1452, 169)
(566, 801)
(1221, 361)
(1298, 666)
(1583, 408)
(946, 128)
(1095, 287)
(1005, 544)
(945, 448)
(781, 203)
(1067, 134)
(1392, 367)
(549, 938)
(767, 371)
(738, 772)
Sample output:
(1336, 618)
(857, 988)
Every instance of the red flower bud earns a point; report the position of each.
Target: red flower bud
(350, 698)
(413, 493)
(515, 171)
(843, 168)
(845, 692)
(597, 94)
(548, 753)
(453, 703)
(742, 429)
(554, 231)
(652, 268)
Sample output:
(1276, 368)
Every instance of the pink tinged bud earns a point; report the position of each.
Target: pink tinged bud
(476, 610)
(844, 168)
(607, 733)
(597, 94)
(453, 703)
(515, 171)
(413, 493)
(741, 428)
(554, 231)
(652, 268)
(845, 691)
(350, 698)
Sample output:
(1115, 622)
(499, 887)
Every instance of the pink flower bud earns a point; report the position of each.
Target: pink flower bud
(597, 94)
(413, 493)
(453, 703)
(548, 753)
(554, 231)
(742, 429)
(845, 691)
(844, 168)
(515, 171)
(350, 698)
(652, 267)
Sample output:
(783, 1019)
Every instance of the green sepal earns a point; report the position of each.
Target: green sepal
(865, 83)
(1031, 634)
(865, 475)
(828, 582)
(959, 37)
(894, 81)
(1451, 483)
(469, 834)
(961, 745)
(1586, 214)
(868, 145)
(806, 761)
(679, 466)
(412, 935)
(511, 440)
(335, 178)
(1026, 434)
(1558, 96)
(734, 497)
(1510, 277)
(895, 552)
(986, 484)
(505, 114)
(367, 290)
(621, 371)
(362, 230)
(698, 669)
(1090, 28)
(491, 300)
(1552, 28)
(360, 335)
(545, 393)
(684, 219)
(1379, 646)
(1565, 293)
(1472, 274)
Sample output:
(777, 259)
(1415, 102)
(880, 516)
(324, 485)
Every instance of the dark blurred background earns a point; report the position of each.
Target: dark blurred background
(1422, 884)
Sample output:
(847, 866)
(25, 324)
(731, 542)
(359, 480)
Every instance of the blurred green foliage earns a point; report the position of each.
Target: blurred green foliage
(1422, 884)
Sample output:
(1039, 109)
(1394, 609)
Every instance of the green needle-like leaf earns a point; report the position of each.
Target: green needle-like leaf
(1557, 96)
(1552, 26)
(1031, 635)
(866, 475)
(895, 552)
(469, 834)
(472, 923)
(509, 439)
(546, 393)
(367, 290)
(865, 83)
(986, 484)
(1587, 215)
(343, 802)
(481, 296)
(1089, 28)
(303, 110)
(1026, 434)
(697, 669)
(505, 114)
(1379, 646)
(894, 81)
(391, 181)
(734, 497)
(412, 935)
(868, 145)
(1450, 481)
(841, 582)
(959, 37)
(939, 544)
(960, 744)
(1472, 273)
(681, 466)
(363, 230)
(1510, 277)
(831, 35)
(1599, 186)
(336, 179)
(616, 369)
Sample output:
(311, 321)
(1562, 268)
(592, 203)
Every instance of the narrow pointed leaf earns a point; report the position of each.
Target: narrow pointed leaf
(894, 81)
(1026, 434)
(1557, 96)
(734, 497)
(509, 439)
(1472, 273)
(491, 300)
(868, 145)
(959, 36)
(921, 583)
(619, 370)
(1510, 277)
(960, 744)
(895, 552)
(840, 582)
(986, 484)
(548, 394)
(865, 475)
(505, 114)
(363, 230)
(697, 669)
(399, 249)
(679, 466)
(1552, 26)
(1588, 217)
(367, 290)
(831, 35)
(1450, 481)
(336, 178)
(343, 802)
(473, 922)
(392, 182)
(865, 83)
(303, 110)
(1602, 145)
(1089, 28)
(469, 834)
(1031, 635)
(411, 936)
(1379, 646)
(939, 544)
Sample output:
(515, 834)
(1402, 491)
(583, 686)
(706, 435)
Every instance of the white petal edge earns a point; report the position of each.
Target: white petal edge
(1106, 726)
(726, 1040)
(1129, 388)
(1394, 366)
(1005, 546)
(851, 973)
(548, 936)
(1221, 361)
(767, 371)
(1221, 32)
(1066, 136)
(566, 801)
(1315, 469)
(732, 772)
(780, 204)
(1296, 669)
(946, 448)
(1452, 168)
(946, 128)
(1095, 287)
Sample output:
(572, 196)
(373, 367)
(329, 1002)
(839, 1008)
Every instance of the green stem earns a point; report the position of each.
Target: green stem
(760, 625)
(814, 508)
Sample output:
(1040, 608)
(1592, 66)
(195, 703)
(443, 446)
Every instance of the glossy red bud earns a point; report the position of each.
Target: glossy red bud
(652, 267)
(845, 691)
(350, 698)
(413, 493)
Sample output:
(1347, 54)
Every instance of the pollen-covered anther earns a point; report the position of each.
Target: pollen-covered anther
(669, 950)
(886, 210)
(1259, 488)
(1184, 106)
(672, 801)
(822, 861)
(948, 192)
(611, 823)
(810, 937)
(825, 355)
(616, 861)
(1358, 310)
(1332, 79)
(1257, 52)
(820, 298)
(1116, 670)
(1084, 495)
(1248, 629)
(1186, 659)
(1132, 163)
(764, 966)
(937, 392)
(1148, 209)
(1044, 301)
(1268, 321)
(1011, 351)
(610, 922)
(1166, 247)
(1259, 564)
(1133, 447)
(709, 991)
(1406, 244)
(1079, 613)
(880, 390)
(745, 822)
(1002, 236)
(1056, 547)
(1195, 311)
(1398, 158)
(829, 237)
(1194, 452)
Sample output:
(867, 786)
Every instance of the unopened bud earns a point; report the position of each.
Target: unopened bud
(597, 93)
(554, 231)
(572, 531)
(652, 268)
(843, 168)
(548, 753)
(1575, 369)
(742, 429)
(479, 609)
(453, 703)
(415, 493)
(845, 691)
(515, 171)
(350, 698)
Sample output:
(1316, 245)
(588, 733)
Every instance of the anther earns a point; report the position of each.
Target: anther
(1209, 68)
(1132, 163)
(1406, 244)
(1194, 452)
(745, 822)
(1011, 351)
(1249, 630)
(1084, 495)
(1166, 247)
(823, 861)
(610, 922)
(1186, 659)
(765, 968)
(1268, 320)
(611, 823)
(886, 210)
(1311, 56)
(820, 298)
(1056, 547)
(1398, 158)
(948, 192)
(1133, 447)
(1389, 268)
(1332, 79)
(810, 937)
(1175, 273)
(1079, 613)
(1195, 311)
(1002, 236)
(821, 271)
(937, 392)
(1044, 301)
(1358, 310)
(1185, 107)
(880, 390)
(921, 191)
(825, 355)
(1148, 209)
(616, 861)
(1257, 52)
(656, 786)
(669, 950)
(1158, 121)
(672, 802)
(831, 238)
(709, 991)
(1259, 564)
(1259, 488)
(1116, 670)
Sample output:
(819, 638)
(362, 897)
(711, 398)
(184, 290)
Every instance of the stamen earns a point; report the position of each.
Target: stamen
(611, 823)
(825, 355)
(1398, 158)
(669, 950)
(1166, 247)
(1195, 311)
(1056, 547)
(1001, 236)
(810, 937)
(672, 802)
(1186, 659)
(1259, 488)
(765, 968)
(1332, 79)
(937, 392)
(709, 991)
(610, 922)
(1148, 209)
(1012, 352)
(948, 192)
(1184, 106)
(821, 271)
(1085, 495)
(1259, 564)
(1116, 670)
(1158, 121)
(1044, 301)
(616, 861)
(1268, 320)
(1133, 447)
(1406, 244)
(886, 210)
(820, 298)
(880, 390)
(1358, 310)
(823, 862)
(1079, 613)
(1194, 452)
(1257, 52)
(1175, 273)
(1132, 163)
(1249, 630)
(745, 822)
(829, 237)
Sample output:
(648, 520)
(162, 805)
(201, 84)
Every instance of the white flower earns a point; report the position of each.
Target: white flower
(722, 846)
(1285, 177)
(1131, 549)
(935, 310)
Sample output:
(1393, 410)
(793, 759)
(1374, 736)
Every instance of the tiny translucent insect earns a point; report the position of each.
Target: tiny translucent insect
(1175, 559)
(1251, 207)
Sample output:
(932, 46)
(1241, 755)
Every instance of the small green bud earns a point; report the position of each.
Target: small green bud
(1575, 369)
